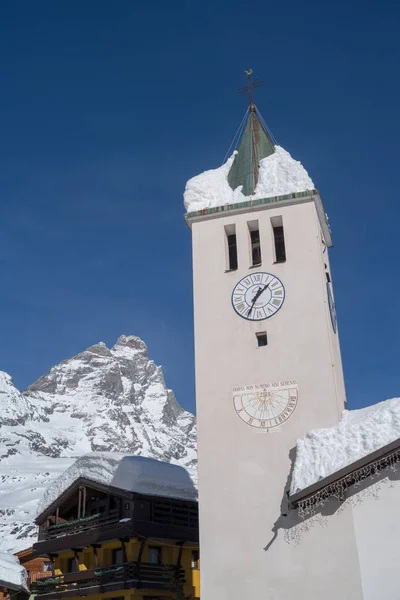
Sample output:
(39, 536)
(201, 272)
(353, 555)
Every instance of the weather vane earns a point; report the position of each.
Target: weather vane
(251, 86)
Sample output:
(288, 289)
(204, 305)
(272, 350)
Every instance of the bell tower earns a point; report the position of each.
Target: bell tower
(267, 359)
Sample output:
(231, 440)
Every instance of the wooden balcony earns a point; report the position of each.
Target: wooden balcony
(107, 579)
(78, 525)
(105, 528)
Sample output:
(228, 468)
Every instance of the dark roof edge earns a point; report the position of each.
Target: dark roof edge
(15, 587)
(348, 470)
(74, 485)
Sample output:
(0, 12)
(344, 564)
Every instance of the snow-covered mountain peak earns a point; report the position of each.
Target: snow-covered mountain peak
(5, 381)
(132, 344)
(101, 400)
(13, 407)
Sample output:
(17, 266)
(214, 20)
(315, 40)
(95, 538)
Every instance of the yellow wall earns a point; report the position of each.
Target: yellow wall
(196, 583)
(169, 555)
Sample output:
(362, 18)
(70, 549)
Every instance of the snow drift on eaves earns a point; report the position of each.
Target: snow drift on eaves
(132, 473)
(12, 574)
(359, 433)
(279, 174)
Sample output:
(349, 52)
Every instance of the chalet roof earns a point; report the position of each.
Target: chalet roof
(123, 473)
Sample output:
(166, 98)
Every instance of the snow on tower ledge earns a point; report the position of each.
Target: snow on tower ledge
(323, 452)
(279, 174)
(132, 473)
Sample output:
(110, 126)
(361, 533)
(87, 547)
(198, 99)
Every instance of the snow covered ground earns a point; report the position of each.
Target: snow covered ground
(23, 481)
(324, 451)
(279, 174)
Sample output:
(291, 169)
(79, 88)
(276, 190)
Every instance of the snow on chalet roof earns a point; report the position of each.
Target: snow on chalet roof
(279, 174)
(132, 473)
(12, 574)
(359, 433)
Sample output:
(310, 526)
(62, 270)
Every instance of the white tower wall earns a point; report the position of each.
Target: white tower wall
(243, 471)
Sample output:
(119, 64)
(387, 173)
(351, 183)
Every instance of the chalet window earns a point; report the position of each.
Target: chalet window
(195, 559)
(255, 243)
(117, 556)
(72, 565)
(167, 512)
(154, 555)
(232, 262)
(279, 239)
(262, 339)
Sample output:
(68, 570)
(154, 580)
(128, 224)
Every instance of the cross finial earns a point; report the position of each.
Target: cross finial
(250, 87)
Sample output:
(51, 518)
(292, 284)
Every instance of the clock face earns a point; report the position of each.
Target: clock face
(266, 406)
(258, 296)
(332, 308)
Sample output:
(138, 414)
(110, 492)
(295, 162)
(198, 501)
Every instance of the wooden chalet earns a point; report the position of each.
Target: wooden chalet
(104, 541)
(36, 568)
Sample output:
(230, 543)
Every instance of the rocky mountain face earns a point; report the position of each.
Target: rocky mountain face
(100, 400)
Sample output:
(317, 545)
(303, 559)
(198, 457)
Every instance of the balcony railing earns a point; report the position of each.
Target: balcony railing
(79, 525)
(33, 576)
(40, 575)
(134, 574)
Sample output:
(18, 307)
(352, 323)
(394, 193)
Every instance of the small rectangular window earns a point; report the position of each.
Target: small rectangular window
(72, 565)
(154, 555)
(255, 243)
(262, 339)
(279, 239)
(195, 559)
(117, 556)
(230, 232)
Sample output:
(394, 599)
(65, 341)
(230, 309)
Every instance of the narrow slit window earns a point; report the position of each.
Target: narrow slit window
(230, 231)
(279, 239)
(255, 243)
(262, 339)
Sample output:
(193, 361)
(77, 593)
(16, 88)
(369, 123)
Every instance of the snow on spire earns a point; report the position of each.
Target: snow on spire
(258, 169)
(279, 174)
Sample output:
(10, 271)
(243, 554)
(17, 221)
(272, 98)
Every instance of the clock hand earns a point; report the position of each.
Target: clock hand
(257, 294)
(256, 297)
(260, 291)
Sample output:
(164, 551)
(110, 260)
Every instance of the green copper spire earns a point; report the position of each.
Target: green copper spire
(255, 145)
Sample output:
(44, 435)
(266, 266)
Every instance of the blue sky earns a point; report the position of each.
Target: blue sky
(107, 108)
